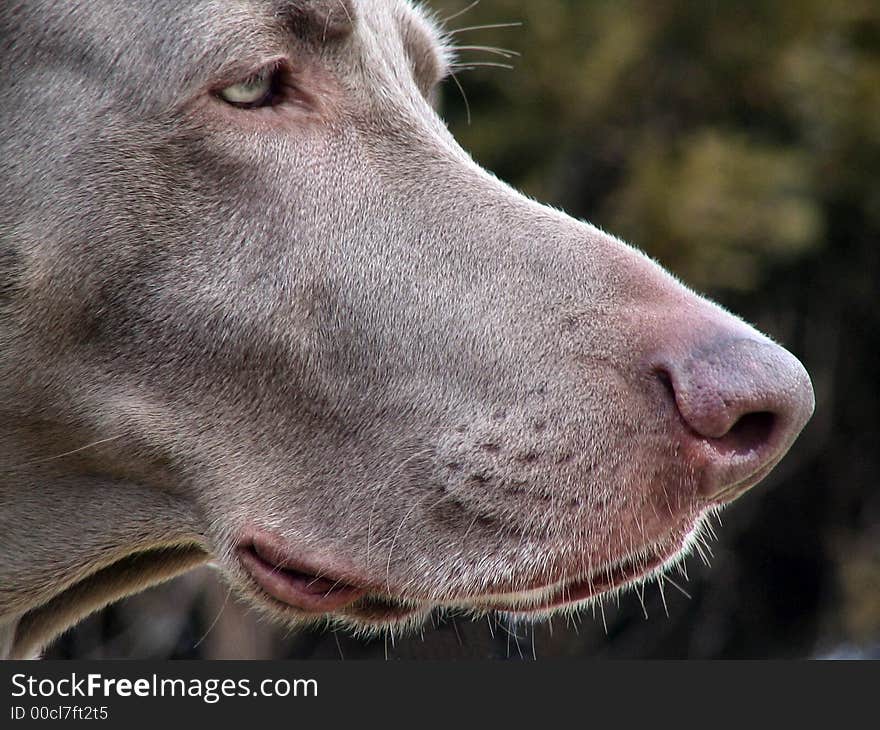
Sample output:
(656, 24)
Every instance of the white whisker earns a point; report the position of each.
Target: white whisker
(461, 12)
(467, 106)
(504, 52)
(471, 65)
(487, 26)
(662, 594)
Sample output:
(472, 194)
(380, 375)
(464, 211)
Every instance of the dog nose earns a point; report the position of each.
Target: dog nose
(746, 400)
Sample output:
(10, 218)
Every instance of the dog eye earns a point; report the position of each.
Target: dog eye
(255, 91)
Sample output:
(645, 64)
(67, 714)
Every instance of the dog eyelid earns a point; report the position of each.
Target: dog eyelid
(260, 89)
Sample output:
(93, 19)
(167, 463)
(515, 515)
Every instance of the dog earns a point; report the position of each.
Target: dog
(257, 307)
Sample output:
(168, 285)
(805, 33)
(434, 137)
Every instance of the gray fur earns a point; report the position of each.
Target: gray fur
(325, 322)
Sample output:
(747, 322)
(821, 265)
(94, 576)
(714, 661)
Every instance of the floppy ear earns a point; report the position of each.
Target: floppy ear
(322, 19)
(130, 575)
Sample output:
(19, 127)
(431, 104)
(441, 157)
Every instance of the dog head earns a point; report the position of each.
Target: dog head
(246, 265)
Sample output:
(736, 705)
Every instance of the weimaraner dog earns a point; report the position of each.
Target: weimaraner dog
(257, 307)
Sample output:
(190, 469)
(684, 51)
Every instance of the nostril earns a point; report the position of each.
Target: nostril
(666, 381)
(743, 401)
(749, 435)
(729, 433)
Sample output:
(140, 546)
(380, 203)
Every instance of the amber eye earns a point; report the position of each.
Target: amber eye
(255, 91)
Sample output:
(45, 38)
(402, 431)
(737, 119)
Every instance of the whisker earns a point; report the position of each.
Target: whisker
(640, 592)
(702, 553)
(216, 619)
(467, 106)
(461, 12)
(66, 453)
(345, 10)
(471, 65)
(683, 571)
(711, 530)
(488, 26)
(412, 509)
(457, 635)
(397, 470)
(504, 625)
(680, 589)
(505, 52)
(662, 594)
(702, 540)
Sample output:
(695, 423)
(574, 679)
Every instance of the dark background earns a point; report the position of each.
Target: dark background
(739, 144)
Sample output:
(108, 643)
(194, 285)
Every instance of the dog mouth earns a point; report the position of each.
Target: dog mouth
(295, 584)
(292, 584)
(314, 593)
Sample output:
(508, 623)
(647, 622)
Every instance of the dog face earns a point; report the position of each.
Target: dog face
(244, 258)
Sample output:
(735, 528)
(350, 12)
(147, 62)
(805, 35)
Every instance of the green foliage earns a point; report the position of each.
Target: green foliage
(717, 206)
(717, 136)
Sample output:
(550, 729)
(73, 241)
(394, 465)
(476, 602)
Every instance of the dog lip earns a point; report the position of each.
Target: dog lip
(551, 596)
(623, 572)
(298, 582)
(295, 583)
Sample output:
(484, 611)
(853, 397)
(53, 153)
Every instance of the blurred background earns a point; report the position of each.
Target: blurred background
(738, 144)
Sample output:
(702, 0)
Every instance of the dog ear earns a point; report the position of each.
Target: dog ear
(322, 19)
